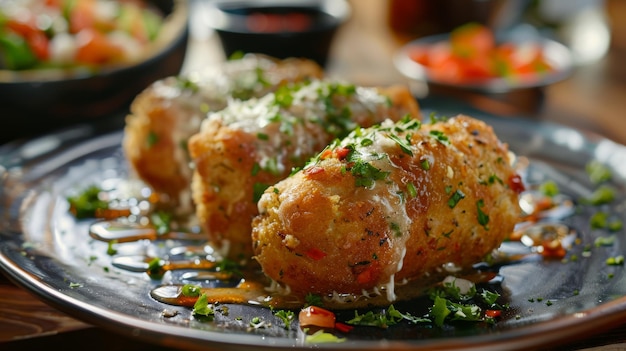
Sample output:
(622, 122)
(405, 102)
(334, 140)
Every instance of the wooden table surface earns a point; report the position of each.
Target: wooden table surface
(593, 99)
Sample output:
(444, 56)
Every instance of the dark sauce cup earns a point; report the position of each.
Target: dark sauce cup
(281, 29)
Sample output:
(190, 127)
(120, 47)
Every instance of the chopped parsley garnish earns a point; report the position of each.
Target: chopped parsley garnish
(271, 166)
(440, 136)
(489, 297)
(549, 188)
(337, 120)
(440, 310)
(190, 290)
(598, 172)
(185, 83)
(615, 225)
(449, 304)
(255, 169)
(202, 307)
(494, 178)
(366, 142)
(395, 228)
(404, 145)
(227, 265)
(483, 218)
(384, 319)
(450, 289)
(162, 221)
(602, 195)
(283, 96)
(615, 260)
(364, 172)
(258, 190)
(598, 220)
(411, 189)
(110, 248)
(313, 300)
(87, 203)
(455, 198)
(257, 323)
(152, 139)
(155, 268)
(286, 316)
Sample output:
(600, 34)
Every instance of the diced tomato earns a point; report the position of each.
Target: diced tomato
(533, 70)
(326, 154)
(364, 277)
(95, 48)
(477, 68)
(342, 327)
(448, 70)
(23, 28)
(311, 172)
(552, 249)
(472, 55)
(54, 3)
(39, 43)
(132, 21)
(36, 39)
(315, 253)
(439, 53)
(82, 16)
(420, 55)
(316, 316)
(472, 39)
(516, 184)
(342, 152)
(493, 313)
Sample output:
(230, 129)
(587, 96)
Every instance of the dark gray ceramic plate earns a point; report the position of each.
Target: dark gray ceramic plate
(43, 249)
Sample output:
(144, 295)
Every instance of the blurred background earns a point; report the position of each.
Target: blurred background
(363, 50)
(358, 40)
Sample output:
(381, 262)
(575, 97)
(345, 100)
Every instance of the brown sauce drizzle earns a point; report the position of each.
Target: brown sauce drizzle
(549, 240)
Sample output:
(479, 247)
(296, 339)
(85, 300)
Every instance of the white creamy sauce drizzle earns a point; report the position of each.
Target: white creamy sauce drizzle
(386, 197)
(303, 116)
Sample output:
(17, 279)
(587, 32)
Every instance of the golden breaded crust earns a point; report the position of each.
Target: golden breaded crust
(392, 204)
(167, 113)
(251, 145)
(154, 137)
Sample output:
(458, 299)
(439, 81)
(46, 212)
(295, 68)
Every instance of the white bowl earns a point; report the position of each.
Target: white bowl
(556, 54)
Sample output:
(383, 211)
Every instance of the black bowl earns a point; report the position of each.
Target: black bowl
(37, 101)
(278, 28)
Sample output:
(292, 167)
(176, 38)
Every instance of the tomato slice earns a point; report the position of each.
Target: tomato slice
(316, 316)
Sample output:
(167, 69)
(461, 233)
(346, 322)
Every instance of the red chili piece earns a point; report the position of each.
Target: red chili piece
(516, 184)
